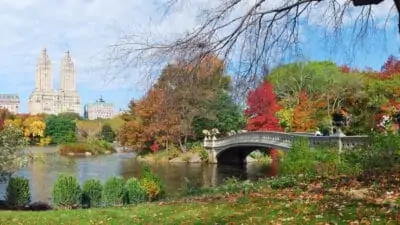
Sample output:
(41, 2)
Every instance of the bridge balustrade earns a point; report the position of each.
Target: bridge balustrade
(284, 139)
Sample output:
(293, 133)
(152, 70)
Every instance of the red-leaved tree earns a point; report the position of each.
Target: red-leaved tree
(261, 109)
(390, 68)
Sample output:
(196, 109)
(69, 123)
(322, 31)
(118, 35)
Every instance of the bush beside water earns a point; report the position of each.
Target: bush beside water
(92, 191)
(66, 192)
(134, 192)
(17, 193)
(114, 191)
(152, 184)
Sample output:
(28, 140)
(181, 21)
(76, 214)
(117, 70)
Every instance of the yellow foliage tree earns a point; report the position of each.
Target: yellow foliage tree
(44, 141)
(34, 128)
(285, 117)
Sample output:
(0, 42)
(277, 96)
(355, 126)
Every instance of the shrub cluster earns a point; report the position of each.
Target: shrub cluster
(67, 192)
(301, 160)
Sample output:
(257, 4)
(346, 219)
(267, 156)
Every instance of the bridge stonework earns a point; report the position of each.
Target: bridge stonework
(235, 148)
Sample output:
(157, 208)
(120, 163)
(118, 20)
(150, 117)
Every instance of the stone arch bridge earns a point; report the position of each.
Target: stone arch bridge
(235, 148)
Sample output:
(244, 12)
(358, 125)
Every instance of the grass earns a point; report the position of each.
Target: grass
(313, 203)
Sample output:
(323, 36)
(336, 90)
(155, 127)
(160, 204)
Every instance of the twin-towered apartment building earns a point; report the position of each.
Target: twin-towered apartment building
(45, 99)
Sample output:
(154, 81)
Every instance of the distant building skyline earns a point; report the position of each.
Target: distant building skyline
(11, 102)
(99, 110)
(44, 98)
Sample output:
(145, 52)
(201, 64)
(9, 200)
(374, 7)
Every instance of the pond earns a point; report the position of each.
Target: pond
(43, 173)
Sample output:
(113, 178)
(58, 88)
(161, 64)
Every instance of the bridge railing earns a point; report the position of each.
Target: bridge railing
(286, 140)
(277, 137)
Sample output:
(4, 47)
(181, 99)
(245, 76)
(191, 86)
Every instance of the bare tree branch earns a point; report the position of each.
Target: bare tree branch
(247, 34)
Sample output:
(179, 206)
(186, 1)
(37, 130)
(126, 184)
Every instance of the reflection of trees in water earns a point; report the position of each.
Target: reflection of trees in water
(129, 167)
(39, 179)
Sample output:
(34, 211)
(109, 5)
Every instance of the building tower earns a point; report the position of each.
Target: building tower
(67, 74)
(44, 78)
(44, 99)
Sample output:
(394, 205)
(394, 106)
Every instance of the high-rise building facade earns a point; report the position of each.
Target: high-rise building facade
(46, 99)
(99, 110)
(10, 102)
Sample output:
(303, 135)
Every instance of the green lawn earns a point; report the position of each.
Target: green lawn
(266, 206)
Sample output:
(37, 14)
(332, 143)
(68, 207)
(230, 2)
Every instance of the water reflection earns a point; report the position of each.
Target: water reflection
(44, 172)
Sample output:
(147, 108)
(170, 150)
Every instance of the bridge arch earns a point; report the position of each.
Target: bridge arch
(234, 149)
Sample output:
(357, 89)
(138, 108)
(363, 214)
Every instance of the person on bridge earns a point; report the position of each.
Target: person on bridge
(318, 133)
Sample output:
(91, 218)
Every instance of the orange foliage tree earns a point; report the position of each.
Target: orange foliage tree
(303, 114)
(167, 112)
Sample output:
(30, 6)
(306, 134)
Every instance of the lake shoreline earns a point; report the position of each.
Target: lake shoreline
(43, 172)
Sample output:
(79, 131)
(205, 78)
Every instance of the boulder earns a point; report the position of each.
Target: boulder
(195, 159)
(177, 160)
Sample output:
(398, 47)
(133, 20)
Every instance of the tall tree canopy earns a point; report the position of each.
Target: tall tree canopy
(323, 82)
(183, 95)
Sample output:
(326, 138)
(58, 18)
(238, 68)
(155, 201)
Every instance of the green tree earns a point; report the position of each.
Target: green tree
(61, 129)
(70, 115)
(107, 133)
(227, 115)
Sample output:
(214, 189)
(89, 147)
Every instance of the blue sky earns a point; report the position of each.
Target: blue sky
(87, 27)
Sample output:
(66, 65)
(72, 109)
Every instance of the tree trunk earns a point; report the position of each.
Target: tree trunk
(182, 145)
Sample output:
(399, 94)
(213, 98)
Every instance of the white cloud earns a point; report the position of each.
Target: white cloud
(86, 28)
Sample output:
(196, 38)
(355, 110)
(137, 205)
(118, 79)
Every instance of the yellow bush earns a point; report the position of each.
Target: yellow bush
(151, 187)
(44, 141)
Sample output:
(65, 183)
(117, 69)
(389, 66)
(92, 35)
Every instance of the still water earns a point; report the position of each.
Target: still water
(43, 173)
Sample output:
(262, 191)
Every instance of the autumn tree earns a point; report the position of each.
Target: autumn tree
(183, 94)
(189, 90)
(326, 84)
(262, 108)
(33, 128)
(303, 114)
(131, 134)
(145, 124)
